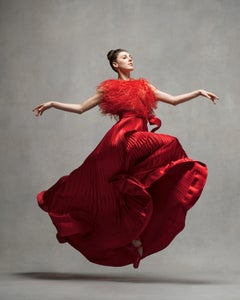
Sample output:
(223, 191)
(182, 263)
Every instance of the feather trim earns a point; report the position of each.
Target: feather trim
(119, 96)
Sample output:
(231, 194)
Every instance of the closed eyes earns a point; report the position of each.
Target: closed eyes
(125, 56)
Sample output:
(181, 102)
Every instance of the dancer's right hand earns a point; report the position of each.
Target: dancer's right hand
(38, 110)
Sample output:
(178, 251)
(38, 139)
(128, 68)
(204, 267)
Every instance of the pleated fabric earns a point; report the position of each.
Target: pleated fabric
(136, 184)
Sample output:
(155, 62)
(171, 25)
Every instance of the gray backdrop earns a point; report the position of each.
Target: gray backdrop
(56, 50)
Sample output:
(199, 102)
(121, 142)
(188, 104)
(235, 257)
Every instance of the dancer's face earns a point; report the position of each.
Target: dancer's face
(124, 62)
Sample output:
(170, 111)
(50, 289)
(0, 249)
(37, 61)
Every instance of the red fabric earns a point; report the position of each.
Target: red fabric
(120, 96)
(135, 184)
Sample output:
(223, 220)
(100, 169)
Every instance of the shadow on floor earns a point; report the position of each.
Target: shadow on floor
(146, 278)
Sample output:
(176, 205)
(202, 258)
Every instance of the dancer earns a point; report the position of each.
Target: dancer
(130, 196)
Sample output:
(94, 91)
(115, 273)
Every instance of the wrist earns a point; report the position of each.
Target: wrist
(198, 93)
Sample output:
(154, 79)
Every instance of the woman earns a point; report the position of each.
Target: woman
(130, 197)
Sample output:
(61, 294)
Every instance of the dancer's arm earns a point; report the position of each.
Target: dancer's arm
(175, 100)
(74, 108)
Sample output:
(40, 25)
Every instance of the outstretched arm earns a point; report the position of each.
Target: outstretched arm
(74, 108)
(175, 100)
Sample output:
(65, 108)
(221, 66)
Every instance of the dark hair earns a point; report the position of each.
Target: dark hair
(112, 57)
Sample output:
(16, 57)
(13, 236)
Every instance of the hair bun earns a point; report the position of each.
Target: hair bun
(110, 54)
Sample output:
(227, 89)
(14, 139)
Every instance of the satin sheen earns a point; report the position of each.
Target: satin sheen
(136, 184)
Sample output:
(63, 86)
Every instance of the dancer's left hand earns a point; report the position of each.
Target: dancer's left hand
(214, 98)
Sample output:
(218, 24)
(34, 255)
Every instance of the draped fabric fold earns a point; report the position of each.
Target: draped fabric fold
(155, 121)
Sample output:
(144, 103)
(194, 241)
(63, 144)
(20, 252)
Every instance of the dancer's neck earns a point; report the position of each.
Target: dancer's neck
(124, 75)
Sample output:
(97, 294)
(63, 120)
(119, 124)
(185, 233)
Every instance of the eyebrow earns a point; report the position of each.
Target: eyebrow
(126, 55)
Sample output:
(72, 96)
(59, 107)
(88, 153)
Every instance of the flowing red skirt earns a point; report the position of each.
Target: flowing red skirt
(136, 184)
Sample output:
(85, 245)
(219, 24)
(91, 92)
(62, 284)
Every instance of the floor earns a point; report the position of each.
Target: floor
(69, 286)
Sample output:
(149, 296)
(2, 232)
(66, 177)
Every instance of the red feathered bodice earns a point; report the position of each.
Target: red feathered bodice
(120, 96)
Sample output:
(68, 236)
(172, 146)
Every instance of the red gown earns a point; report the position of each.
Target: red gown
(136, 184)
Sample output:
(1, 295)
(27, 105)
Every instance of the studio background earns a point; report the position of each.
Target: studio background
(56, 50)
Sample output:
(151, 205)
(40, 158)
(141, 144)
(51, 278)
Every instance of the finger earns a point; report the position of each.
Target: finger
(36, 109)
(40, 106)
(206, 94)
(213, 95)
